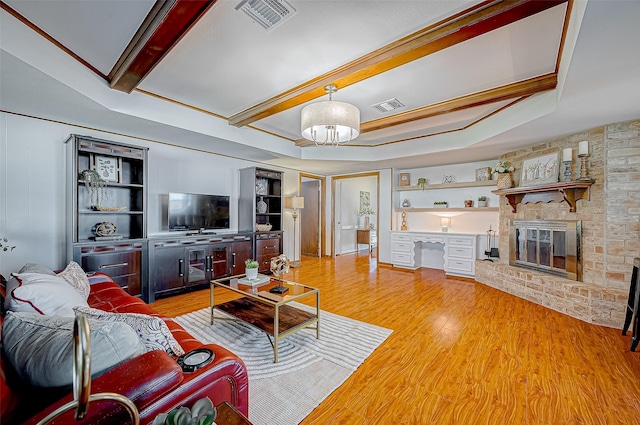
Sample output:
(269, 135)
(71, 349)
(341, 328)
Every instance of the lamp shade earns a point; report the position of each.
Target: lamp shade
(294, 202)
(330, 122)
(445, 221)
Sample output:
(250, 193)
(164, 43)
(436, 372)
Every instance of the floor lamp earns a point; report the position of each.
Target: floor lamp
(296, 203)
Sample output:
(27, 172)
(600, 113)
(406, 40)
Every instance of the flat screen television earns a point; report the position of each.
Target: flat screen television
(191, 211)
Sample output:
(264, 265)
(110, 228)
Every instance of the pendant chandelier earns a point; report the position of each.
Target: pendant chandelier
(330, 122)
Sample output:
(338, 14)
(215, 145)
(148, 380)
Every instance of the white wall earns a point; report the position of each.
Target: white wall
(32, 192)
(33, 206)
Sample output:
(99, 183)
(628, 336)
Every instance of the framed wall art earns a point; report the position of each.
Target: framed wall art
(107, 167)
(540, 170)
(262, 186)
(483, 174)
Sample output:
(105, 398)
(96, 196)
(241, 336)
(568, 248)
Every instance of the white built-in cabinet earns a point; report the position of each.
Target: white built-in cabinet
(459, 251)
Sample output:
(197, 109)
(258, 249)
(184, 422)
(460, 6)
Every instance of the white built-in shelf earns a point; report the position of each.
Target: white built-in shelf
(445, 186)
(435, 210)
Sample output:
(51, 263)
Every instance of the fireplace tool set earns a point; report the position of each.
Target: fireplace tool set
(491, 250)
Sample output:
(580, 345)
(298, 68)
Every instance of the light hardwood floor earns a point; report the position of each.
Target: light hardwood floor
(462, 352)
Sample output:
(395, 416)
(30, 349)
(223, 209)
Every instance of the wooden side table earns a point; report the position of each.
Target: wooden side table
(229, 415)
(363, 237)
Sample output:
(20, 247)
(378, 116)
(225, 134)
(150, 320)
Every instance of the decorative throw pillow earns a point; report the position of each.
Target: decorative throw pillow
(40, 348)
(13, 283)
(36, 268)
(44, 294)
(152, 331)
(76, 277)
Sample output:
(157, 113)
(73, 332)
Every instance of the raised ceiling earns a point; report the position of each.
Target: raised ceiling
(468, 73)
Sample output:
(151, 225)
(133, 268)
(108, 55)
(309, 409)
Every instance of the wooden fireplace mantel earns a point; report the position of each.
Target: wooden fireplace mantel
(569, 192)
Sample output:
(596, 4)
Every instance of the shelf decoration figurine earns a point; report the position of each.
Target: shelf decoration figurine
(404, 221)
(448, 178)
(406, 203)
(504, 169)
(96, 186)
(468, 203)
(422, 182)
(583, 154)
(279, 265)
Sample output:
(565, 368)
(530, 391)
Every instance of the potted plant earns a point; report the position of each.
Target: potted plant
(96, 186)
(422, 182)
(504, 169)
(251, 268)
(202, 413)
(440, 204)
(482, 201)
(366, 212)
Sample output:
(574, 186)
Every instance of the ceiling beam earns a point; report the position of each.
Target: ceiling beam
(165, 25)
(473, 22)
(496, 94)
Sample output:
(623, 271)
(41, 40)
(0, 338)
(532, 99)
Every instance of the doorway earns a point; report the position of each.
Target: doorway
(346, 218)
(312, 217)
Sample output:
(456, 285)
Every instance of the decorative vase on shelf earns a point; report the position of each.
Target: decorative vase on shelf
(261, 206)
(504, 181)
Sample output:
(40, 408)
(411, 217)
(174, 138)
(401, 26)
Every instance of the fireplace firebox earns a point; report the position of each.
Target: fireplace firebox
(549, 246)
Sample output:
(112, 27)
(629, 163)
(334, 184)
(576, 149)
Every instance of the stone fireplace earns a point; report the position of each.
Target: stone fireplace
(548, 246)
(608, 221)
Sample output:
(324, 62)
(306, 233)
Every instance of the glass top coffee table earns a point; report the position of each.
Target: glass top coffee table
(268, 311)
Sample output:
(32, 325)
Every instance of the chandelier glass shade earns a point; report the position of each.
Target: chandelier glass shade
(330, 122)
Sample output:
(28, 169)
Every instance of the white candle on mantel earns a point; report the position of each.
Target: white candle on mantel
(566, 155)
(583, 148)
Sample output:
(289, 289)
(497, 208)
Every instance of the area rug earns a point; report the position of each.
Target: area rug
(308, 369)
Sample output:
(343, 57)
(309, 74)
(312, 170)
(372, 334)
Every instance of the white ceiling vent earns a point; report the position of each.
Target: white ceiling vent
(388, 105)
(268, 13)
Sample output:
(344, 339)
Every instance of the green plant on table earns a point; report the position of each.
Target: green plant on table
(251, 264)
(482, 198)
(202, 413)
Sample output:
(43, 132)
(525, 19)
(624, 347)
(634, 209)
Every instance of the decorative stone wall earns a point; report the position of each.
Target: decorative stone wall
(610, 228)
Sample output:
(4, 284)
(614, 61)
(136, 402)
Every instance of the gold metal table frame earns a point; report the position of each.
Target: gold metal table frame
(270, 313)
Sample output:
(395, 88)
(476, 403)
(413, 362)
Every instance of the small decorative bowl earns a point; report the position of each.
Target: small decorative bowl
(263, 227)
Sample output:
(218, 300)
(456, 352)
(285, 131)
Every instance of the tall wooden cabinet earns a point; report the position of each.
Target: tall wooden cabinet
(260, 203)
(118, 200)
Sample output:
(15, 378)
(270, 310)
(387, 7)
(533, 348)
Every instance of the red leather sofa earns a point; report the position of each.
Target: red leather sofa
(153, 381)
